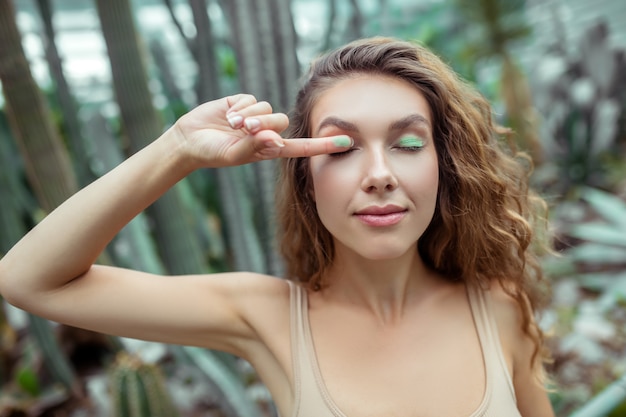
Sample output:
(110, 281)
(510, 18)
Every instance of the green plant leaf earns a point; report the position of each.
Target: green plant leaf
(559, 266)
(610, 207)
(606, 401)
(594, 253)
(57, 363)
(600, 233)
(230, 386)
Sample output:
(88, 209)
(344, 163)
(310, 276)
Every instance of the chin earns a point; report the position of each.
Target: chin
(386, 253)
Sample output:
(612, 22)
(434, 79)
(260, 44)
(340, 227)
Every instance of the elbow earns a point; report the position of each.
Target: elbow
(5, 291)
(26, 287)
(11, 300)
(16, 296)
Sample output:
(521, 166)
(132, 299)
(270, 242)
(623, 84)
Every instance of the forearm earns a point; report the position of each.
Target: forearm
(66, 243)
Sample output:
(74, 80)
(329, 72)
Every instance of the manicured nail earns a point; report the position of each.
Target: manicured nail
(252, 124)
(235, 121)
(342, 141)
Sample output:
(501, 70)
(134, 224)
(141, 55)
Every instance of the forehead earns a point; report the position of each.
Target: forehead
(370, 100)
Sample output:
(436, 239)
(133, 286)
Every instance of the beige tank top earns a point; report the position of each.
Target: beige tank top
(313, 400)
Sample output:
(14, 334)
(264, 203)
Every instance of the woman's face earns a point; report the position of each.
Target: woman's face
(377, 198)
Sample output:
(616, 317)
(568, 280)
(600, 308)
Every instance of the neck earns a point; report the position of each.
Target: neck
(383, 287)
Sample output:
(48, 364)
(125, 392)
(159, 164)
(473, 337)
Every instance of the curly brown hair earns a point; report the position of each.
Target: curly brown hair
(485, 221)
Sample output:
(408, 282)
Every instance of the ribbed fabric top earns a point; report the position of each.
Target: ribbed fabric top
(313, 400)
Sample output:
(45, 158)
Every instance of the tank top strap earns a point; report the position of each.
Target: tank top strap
(309, 401)
(295, 316)
(499, 383)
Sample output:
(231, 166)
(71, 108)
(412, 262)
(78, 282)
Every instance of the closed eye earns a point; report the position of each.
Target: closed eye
(409, 149)
(410, 143)
(340, 154)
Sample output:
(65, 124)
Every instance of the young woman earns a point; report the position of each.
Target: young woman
(407, 235)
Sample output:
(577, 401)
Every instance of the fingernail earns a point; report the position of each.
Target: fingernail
(342, 141)
(278, 143)
(252, 124)
(235, 121)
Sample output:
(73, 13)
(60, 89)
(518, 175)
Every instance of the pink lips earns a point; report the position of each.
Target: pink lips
(378, 216)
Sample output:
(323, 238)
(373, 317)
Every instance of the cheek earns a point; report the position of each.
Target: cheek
(322, 185)
(421, 177)
(325, 178)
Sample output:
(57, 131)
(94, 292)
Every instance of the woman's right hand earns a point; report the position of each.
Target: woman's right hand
(238, 129)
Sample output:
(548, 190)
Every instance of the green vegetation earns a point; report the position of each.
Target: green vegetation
(138, 389)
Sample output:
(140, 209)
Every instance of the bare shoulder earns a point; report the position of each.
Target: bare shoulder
(250, 284)
(519, 349)
(508, 312)
(262, 303)
(508, 315)
(258, 296)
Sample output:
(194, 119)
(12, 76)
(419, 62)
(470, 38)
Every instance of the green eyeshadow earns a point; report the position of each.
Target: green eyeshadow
(411, 142)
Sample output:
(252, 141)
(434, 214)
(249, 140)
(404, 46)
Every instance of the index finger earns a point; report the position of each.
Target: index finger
(305, 147)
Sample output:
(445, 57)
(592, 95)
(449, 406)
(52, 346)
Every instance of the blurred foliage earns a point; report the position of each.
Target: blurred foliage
(590, 302)
(581, 98)
(581, 107)
(138, 389)
(593, 233)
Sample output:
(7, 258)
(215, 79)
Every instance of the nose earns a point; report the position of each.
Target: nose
(378, 173)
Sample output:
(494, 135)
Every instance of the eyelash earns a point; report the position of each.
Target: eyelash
(409, 149)
(340, 154)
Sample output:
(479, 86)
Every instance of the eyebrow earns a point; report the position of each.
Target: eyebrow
(341, 124)
(408, 121)
(400, 124)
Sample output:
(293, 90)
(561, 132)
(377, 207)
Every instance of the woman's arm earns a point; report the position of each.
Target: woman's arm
(51, 273)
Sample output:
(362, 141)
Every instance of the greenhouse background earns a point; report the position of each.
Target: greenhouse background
(555, 71)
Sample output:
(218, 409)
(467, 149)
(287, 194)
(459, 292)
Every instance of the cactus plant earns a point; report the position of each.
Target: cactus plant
(138, 389)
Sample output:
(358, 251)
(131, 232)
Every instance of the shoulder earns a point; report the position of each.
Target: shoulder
(508, 313)
(520, 349)
(252, 291)
(262, 300)
(253, 284)
(259, 305)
